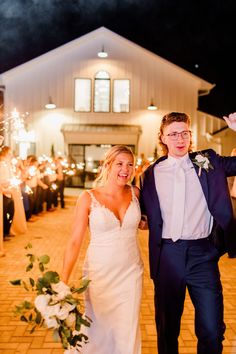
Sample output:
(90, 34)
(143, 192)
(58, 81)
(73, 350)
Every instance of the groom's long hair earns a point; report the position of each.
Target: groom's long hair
(167, 120)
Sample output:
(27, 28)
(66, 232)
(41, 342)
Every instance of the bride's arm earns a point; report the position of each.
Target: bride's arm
(78, 232)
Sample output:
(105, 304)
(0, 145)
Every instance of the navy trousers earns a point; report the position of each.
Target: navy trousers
(191, 265)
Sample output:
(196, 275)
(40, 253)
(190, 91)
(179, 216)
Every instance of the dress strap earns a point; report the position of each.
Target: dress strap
(133, 193)
(94, 201)
(134, 197)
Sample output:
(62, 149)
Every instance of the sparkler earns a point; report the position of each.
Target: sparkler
(32, 171)
(15, 182)
(53, 186)
(28, 190)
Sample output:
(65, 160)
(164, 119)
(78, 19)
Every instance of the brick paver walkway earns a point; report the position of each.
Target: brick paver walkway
(49, 235)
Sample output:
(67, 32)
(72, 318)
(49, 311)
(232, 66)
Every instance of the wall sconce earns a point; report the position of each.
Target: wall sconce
(50, 104)
(102, 53)
(152, 107)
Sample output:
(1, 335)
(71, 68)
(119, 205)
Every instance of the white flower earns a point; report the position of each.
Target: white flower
(52, 310)
(202, 161)
(75, 333)
(51, 322)
(41, 302)
(64, 311)
(200, 158)
(61, 289)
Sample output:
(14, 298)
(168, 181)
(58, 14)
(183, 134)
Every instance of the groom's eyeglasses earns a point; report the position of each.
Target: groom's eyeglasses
(185, 134)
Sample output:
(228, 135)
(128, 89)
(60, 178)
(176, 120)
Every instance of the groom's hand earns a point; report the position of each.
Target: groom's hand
(143, 225)
(231, 121)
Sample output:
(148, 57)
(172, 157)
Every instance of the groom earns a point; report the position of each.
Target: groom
(186, 199)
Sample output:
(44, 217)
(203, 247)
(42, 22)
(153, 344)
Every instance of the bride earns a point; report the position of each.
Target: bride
(113, 262)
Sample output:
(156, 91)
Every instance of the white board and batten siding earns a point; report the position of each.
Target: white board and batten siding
(29, 86)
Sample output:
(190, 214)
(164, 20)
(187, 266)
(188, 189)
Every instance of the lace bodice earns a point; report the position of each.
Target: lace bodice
(105, 226)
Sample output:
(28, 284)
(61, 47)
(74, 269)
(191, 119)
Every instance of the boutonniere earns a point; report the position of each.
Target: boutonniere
(203, 162)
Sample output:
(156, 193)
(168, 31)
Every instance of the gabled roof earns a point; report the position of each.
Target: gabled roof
(101, 32)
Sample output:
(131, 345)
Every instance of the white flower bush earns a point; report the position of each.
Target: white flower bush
(55, 305)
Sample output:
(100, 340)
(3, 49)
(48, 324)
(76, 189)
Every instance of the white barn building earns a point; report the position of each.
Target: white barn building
(103, 101)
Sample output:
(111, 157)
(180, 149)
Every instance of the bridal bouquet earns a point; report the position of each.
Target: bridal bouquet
(55, 305)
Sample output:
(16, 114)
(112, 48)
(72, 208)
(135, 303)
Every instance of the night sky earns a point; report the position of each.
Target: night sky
(197, 35)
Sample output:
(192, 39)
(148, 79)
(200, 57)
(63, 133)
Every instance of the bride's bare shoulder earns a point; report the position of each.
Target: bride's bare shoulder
(84, 198)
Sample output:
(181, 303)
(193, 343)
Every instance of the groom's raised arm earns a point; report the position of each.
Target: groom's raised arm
(231, 121)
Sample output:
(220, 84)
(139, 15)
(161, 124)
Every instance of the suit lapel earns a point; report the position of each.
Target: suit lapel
(150, 181)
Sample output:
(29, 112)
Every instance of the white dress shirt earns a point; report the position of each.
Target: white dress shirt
(198, 221)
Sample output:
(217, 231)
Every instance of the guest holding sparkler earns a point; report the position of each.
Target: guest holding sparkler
(60, 180)
(18, 224)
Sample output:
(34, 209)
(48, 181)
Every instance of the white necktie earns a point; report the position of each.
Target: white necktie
(178, 203)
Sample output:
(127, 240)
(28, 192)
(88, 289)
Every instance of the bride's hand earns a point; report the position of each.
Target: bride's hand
(231, 121)
(143, 225)
(1, 139)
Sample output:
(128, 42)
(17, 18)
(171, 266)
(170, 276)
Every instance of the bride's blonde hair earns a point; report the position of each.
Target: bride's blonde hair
(109, 158)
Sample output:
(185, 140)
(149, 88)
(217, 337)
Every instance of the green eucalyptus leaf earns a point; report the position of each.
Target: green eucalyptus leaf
(79, 338)
(210, 165)
(23, 318)
(33, 329)
(52, 277)
(18, 309)
(16, 282)
(71, 300)
(32, 258)
(32, 282)
(29, 267)
(42, 283)
(44, 259)
(82, 321)
(38, 318)
(41, 267)
(83, 286)
(25, 285)
(78, 326)
(27, 305)
(29, 245)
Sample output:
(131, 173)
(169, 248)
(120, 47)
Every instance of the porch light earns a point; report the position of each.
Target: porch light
(102, 53)
(50, 104)
(152, 106)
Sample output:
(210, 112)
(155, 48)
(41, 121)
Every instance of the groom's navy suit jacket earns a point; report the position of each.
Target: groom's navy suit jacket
(215, 188)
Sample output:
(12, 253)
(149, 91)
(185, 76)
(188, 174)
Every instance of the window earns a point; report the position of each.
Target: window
(102, 92)
(82, 95)
(121, 90)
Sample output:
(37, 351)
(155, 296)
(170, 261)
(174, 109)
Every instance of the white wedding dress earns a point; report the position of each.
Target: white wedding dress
(114, 266)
